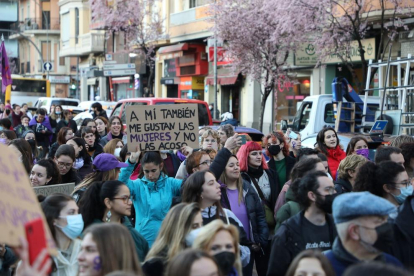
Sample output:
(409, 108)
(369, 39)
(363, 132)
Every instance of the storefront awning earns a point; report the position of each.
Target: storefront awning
(222, 79)
(121, 80)
(91, 81)
(173, 48)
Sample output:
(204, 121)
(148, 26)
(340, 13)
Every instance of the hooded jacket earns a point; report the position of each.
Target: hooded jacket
(210, 213)
(288, 210)
(288, 243)
(258, 226)
(152, 200)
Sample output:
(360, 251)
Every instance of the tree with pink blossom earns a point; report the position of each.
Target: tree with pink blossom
(333, 25)
(138, 21)
(257, 41)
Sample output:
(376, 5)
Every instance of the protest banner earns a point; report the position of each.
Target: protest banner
(18, 202)
(66, 189)
(162, 127)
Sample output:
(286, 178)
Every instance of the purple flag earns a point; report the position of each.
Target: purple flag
(6, 79)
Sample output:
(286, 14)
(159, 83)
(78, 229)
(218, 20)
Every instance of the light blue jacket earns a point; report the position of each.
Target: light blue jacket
(152, 201)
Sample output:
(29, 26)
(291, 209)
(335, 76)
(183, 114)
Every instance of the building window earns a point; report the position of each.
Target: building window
(188, 70)
(197, 3)
(76, 25)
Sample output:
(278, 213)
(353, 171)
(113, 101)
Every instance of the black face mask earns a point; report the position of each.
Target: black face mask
(325, 204)
(274, 149)
(385, 234)
(8, 111)
(225, 261)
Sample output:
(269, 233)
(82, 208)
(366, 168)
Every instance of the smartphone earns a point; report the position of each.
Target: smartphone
(36, 238)
(293, 135)
(243, 139)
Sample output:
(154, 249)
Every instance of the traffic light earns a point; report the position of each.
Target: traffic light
(73, 85)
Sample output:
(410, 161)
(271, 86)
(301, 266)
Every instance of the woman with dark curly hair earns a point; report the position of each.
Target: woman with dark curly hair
(407, 150)
(280, 161)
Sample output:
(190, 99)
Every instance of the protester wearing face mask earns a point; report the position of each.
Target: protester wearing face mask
(278, 151)
(111, 201)
(220, 241)
(361, 222)
(93, 146)
(358, 145)
(292, 206)
(29, 136)
(6, 113)
(114, 147)
(6, 136)
(83, 162)
(312, 228)
(388, 180)
(176, 234)
(66, 225)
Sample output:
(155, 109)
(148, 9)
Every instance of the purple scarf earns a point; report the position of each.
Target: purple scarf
(45, 123)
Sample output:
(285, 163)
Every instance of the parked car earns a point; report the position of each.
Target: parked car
(66, 103)
(204, 116)
(86, 114)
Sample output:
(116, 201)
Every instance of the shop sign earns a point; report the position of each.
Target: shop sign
(306, 54)
(59, 79)
(192, 83)
(170, 70)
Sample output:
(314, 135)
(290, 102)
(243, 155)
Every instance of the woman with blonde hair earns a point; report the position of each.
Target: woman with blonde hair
(220, 241)
(347, 172)
(114, 147)
(172, 237)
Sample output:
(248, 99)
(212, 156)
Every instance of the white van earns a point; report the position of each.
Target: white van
(316, 112)
(66, 103)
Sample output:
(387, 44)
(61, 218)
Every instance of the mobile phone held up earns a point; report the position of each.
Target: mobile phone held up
(293, 135)
(243, 139)
(36, 239)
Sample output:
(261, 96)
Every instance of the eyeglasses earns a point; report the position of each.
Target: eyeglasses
(207, 162)
(406, 183)
(67, 165)
(126, 199)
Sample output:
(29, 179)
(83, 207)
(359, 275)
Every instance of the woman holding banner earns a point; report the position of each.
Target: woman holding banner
(152, 194)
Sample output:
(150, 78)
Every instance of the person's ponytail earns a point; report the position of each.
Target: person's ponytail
(90, 205)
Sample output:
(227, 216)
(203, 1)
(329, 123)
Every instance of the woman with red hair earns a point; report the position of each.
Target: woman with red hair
(278, 150)
(264, 181)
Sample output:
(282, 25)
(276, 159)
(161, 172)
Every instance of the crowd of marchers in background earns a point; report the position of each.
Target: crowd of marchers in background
(226, 208)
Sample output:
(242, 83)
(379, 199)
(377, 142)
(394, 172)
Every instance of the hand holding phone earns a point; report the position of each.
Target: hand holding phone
(243, 139)
(36, 241)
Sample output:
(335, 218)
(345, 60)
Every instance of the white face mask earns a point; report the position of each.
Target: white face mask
(190, 238)
(78, 164)
(117, 152)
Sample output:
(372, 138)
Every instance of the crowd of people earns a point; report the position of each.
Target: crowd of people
(227, 208)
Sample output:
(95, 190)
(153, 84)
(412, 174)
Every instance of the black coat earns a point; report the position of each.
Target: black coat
(343, 186)
(258, 226)
(62, 123)
(403, 245)
(274, 185)
(71, 177)
(288, 243)
(290, 162)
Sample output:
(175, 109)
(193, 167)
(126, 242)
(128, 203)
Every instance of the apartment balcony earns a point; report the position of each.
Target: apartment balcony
(36, 26)
(190, 24)
(86, 44)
